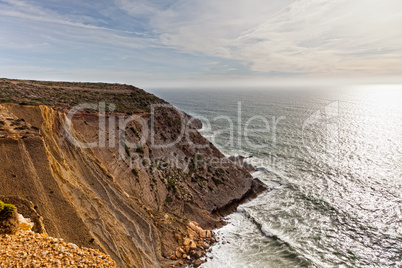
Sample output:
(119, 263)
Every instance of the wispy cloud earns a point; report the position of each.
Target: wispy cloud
(54, 26)
(305, 36)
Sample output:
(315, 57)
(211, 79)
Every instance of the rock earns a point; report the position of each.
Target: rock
(199, 230)
(193, 245)
(25, 223)
(197, 263)
(209, 234)
(192, 234)
(205, 233)
(191, 225)
(187, 249)
(178, 237)
(187, 241)
(198, 254)
(173, 257)
(200, 244)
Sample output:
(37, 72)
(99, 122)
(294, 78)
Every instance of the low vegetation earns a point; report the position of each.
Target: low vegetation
(8, 219)
(126, 98)
(6, 209)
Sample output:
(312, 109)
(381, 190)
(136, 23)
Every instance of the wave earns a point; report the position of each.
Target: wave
(279, 240)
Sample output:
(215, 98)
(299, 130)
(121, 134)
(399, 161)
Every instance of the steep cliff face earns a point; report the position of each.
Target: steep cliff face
(131, 194)
(74, 194)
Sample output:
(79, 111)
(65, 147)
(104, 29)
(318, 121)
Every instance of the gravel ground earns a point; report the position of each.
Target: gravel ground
(29, 249)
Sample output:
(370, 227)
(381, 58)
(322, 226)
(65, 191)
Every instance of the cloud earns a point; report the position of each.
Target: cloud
(138, 7)
(305, 36)
(40, 27)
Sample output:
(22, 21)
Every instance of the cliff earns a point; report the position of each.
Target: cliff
(125, 178)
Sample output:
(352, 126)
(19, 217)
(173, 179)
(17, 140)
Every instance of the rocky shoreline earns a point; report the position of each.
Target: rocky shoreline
(192, 247)
(197, 244)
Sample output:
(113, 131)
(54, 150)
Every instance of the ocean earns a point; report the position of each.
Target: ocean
(333, 159)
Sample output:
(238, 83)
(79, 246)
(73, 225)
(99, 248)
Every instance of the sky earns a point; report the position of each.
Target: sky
(167, 43)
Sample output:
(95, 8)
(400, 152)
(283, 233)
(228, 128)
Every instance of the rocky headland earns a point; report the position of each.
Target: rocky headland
(115, 169)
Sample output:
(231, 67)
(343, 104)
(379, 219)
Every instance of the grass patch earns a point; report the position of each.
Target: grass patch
(171, 184)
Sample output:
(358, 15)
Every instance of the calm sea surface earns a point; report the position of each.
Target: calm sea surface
(334, 161)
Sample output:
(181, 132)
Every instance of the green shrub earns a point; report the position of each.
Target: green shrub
(139, 149)
(6, 208)
(217, 181)
(172, 183)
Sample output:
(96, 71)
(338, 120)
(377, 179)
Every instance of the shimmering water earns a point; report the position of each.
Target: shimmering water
(334, 161)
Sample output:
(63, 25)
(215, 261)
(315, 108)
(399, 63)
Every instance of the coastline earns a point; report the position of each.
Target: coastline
(151, 205)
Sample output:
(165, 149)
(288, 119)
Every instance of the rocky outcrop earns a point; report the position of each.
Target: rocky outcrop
(194, 245)
(257, 187)
(150, 184)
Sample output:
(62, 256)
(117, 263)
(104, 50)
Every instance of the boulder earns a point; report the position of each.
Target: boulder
(25, 224)
(197, 263)
(193, 245)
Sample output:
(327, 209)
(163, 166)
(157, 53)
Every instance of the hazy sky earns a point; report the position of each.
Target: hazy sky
(155, 43)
